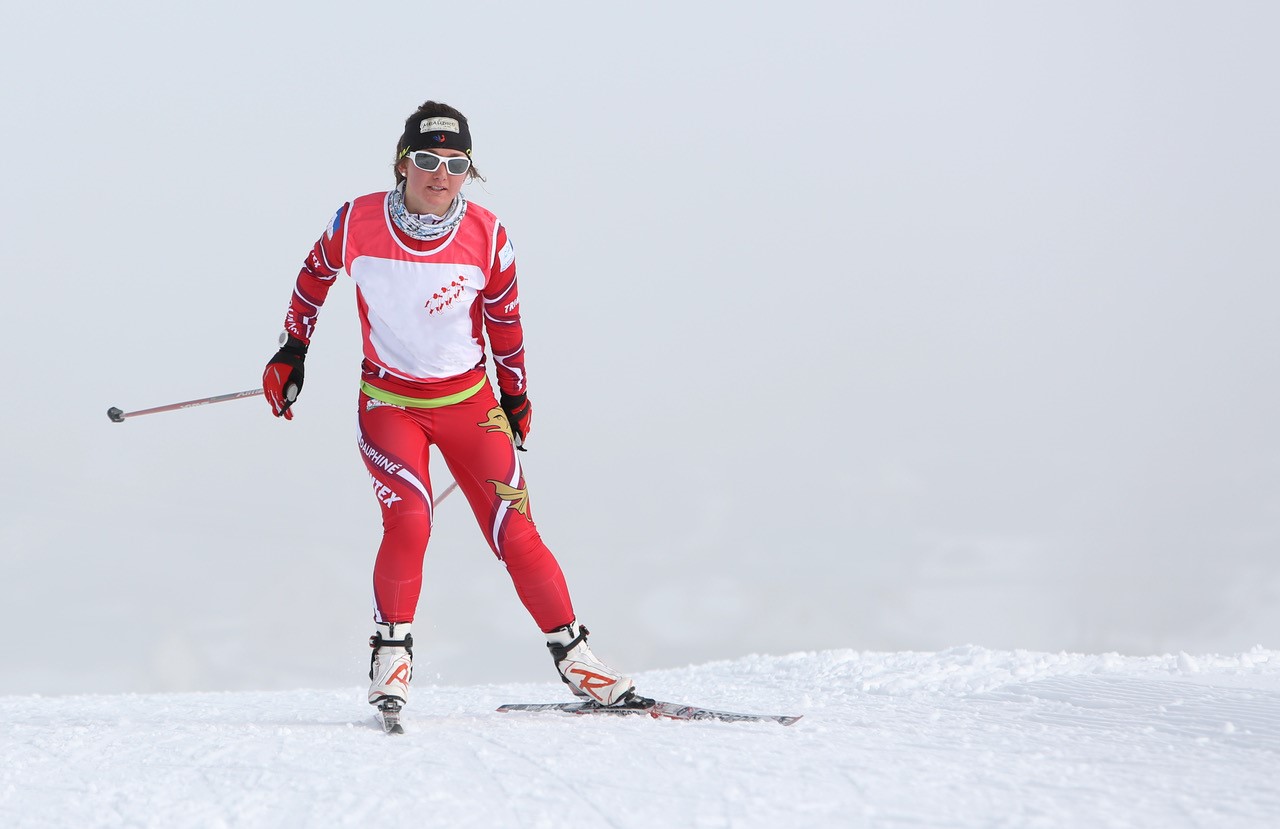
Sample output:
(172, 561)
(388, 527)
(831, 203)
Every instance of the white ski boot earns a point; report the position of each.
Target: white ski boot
(391, 665)
(586, 675)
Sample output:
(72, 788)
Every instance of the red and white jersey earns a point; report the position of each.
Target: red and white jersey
(425, 306)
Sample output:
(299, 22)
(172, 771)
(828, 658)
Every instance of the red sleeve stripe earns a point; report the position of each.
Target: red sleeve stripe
(517, 371)
(493, 243)
(303, 298)
(499, 297)
(492, 318)
(324, 256)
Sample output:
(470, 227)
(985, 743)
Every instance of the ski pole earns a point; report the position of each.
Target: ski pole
(118, 416)
(449, 489)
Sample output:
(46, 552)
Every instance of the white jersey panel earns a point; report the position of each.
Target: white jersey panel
(419, 314)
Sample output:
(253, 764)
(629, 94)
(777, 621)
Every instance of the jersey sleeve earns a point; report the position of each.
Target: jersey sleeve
(502, 317)
(317, 276)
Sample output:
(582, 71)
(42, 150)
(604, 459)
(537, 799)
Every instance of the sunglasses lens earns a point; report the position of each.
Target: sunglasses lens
(426, 161)
(458, 165)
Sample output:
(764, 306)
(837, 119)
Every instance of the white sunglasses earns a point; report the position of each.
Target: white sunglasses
(429, 161)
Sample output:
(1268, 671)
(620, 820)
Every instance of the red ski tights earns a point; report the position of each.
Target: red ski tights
(474, 439)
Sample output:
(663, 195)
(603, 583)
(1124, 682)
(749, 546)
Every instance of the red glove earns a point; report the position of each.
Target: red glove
(282, 378)
(519, 415)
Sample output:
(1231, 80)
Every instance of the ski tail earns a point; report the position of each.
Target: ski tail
(389, 715)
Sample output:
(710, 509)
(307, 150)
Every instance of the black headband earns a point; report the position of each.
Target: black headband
(436, 132)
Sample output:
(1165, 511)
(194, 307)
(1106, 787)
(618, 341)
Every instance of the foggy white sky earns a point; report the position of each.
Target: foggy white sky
(885, 326)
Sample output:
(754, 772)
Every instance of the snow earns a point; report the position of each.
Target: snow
(963, 737)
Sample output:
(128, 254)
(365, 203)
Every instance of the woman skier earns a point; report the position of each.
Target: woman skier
(434, 274)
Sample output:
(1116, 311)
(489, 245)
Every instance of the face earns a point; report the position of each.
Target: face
(431, 192)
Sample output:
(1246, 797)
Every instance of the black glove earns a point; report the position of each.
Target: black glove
(519, 415)
(282, 378)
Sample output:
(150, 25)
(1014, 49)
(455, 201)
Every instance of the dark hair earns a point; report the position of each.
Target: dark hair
(430, 109)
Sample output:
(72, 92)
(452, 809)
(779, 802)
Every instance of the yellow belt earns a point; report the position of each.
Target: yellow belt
(421, 402)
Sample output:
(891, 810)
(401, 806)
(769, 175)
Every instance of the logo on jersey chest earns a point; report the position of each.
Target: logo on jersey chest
(447, 296)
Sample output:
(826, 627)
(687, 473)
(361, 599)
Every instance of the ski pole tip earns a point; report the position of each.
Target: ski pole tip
(116, 415)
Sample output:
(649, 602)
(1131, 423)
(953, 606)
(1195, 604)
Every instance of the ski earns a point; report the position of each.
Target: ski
(675, 711)
(389, 715)
(654, 708)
